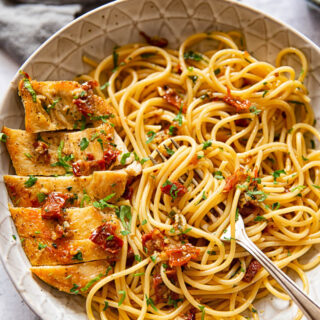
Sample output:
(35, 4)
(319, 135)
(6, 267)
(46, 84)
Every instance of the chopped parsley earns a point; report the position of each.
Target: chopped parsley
(173, 190)
(169, 151)
(124, 232)
(206, 145)
(105, 85)
(173, 130)
(178, 118)
(304, 158)
(84, 143)
(218, 175)
(317, 187)
(276, 174)
(62, 161)
(260, 218)
(14, 237)
(257, 195)
(201, 308)
(3, 137)
(190, 55)
(137, 258)
(217, 71)
(74, 289)
(123, 294)
(28, 155)
(31, 181)
(264, 93)
(254, 110)
(53, 104)
(41, 246)
(151, 135)
(151, 303)
(103, 203)
(144, 222)
(91, 282)
(313, 144)
(124, 214)
(78, 256)
(298, 188)
(41, 197)
(124, 158)
(28, 86)
(106, 305)
(193, 78)
(275, 206)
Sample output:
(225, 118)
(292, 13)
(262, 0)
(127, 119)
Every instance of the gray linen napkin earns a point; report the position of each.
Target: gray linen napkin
(23, 27)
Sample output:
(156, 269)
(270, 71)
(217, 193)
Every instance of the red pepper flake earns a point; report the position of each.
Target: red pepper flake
(181, 254)
(155, 41)
(174, 189)
(241, 105)
(172, 97)
(52, 208)
(252, 270)
(105, 237)
(153, 241)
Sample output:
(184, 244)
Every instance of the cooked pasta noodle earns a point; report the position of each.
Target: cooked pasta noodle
(245, 132)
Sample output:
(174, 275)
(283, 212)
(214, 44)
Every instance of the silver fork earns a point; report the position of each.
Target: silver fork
(308, 307)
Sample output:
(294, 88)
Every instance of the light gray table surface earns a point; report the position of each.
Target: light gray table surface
(295, 12)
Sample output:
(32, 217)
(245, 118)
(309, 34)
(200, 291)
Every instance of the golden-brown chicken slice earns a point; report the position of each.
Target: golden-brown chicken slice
(43, 252)
(75, 224)
(82, 190)
(74, 279)
(60, 105)
(58, 153)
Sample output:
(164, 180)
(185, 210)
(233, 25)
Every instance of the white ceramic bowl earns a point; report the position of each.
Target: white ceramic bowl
(95, 34)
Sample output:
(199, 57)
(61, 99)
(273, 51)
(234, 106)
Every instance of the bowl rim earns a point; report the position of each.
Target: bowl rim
(23, 294)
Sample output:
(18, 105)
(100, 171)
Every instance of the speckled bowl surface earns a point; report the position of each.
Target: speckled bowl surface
(95, 34)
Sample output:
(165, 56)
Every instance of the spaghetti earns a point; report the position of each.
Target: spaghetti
(245, 127)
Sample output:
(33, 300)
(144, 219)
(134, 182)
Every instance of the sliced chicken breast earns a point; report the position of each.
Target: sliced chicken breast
(74, 279)
(62, 105)
(58, 153)
(83, 190)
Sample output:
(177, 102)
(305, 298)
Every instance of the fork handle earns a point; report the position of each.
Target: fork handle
(308, 307)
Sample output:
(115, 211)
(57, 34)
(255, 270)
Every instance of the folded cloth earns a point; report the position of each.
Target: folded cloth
(24, 27)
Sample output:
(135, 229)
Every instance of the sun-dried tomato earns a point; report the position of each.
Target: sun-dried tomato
(174, 189)
(180, 255)
(233, 180)
(105, 237)
(41, 147)
(110, 156)
(162, 292)
(240, 104)
(153, 241)
(252, 270)
(52, 208)
(85, 167)
(172, 97)
(155, 41)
